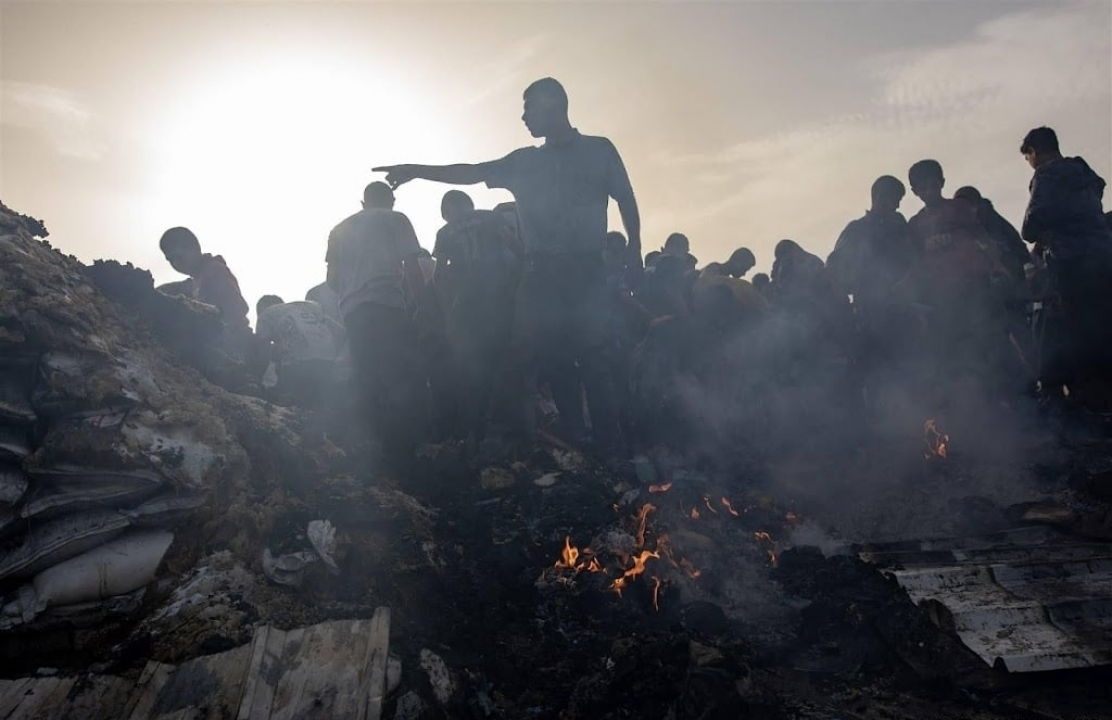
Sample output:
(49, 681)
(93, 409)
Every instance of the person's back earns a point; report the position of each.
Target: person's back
(369, 249)
(327, 298)
(481, 255)
(300, 331)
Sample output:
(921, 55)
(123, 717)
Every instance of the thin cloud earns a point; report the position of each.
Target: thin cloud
(507, 71)
(59, 115)
(966, 104)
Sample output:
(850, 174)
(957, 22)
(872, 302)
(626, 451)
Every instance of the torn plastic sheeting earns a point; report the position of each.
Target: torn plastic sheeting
(116, 568)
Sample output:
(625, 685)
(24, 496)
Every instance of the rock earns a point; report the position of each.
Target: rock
(704, 655)
(496, 478)
(443, 687)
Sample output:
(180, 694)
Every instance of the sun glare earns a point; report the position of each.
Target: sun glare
(263, 160)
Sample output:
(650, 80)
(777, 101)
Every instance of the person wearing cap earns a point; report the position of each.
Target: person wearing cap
(373, 265)
(562, 190)
(1065, 220)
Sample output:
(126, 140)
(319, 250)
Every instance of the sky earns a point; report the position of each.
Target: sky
(256, 124)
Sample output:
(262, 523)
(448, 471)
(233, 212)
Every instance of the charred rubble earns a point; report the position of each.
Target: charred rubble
(550, 588)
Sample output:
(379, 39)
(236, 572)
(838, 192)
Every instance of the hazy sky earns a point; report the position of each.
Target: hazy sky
(741, 123)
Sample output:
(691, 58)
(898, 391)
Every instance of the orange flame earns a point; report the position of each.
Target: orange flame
(656, 593)
(638, 567)
(569, 556)
(791, 517)
(935, 440)
(726, 504)
(706, 500)
(642, 518)
(662, 488)
(761, 535)
(694, 513)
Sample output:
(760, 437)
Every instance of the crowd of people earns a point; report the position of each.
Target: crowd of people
(534, 305)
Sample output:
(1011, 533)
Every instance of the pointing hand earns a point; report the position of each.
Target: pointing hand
(397, 174)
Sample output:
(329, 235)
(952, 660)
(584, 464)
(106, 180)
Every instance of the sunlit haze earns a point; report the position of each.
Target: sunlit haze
(257, 124)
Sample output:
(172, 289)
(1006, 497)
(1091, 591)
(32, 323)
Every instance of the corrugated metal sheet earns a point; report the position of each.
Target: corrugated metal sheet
(1028, 600)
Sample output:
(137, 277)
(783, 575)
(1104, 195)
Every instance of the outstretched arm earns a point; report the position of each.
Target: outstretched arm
(451, 174)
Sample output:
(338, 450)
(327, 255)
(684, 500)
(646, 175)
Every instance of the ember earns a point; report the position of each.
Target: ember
(662, 488)
(935, 441)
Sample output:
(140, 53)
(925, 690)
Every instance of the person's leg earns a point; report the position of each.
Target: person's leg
(590, 325)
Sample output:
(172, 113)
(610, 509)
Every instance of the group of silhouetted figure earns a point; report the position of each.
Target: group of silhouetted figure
(531, 316)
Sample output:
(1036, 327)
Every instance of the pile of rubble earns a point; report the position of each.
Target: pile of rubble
(114, 451)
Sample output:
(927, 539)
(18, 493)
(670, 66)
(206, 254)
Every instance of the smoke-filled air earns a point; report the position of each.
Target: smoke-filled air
(568, 361)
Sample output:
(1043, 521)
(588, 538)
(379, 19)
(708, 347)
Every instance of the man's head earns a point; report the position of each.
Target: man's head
(741, 261)
(677, 244)
(455, 204)
(761, 281)
(1040, 146)
(786, 249)
(887, 194)
(927, 181)
(546, 107)
(378, 196)
(267, 301)
(182, 250)
(613, 250)
(968, 194)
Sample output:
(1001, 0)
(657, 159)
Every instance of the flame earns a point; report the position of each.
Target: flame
(935, 440)
(791, 517)
(662, 488)
(726, 504)
(569, 558)
(638, 567)
(656, 593)
(706, 500)
(763, 536)
(569, 555)
(642, 518)
(694, 513)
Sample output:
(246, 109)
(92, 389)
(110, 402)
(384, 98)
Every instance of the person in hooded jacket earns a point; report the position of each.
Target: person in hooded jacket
(1066, 223)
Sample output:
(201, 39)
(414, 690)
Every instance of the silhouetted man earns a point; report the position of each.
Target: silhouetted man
(479, 260)
(373, 266)
(741, 262)
(956, 266)
(1009, 245)
(561, 189)
(679, 246)
(213, 284)
(873, 252)
(1064, 217)
(871, 256)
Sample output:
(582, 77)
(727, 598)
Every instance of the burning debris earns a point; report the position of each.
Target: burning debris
(935, 441)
